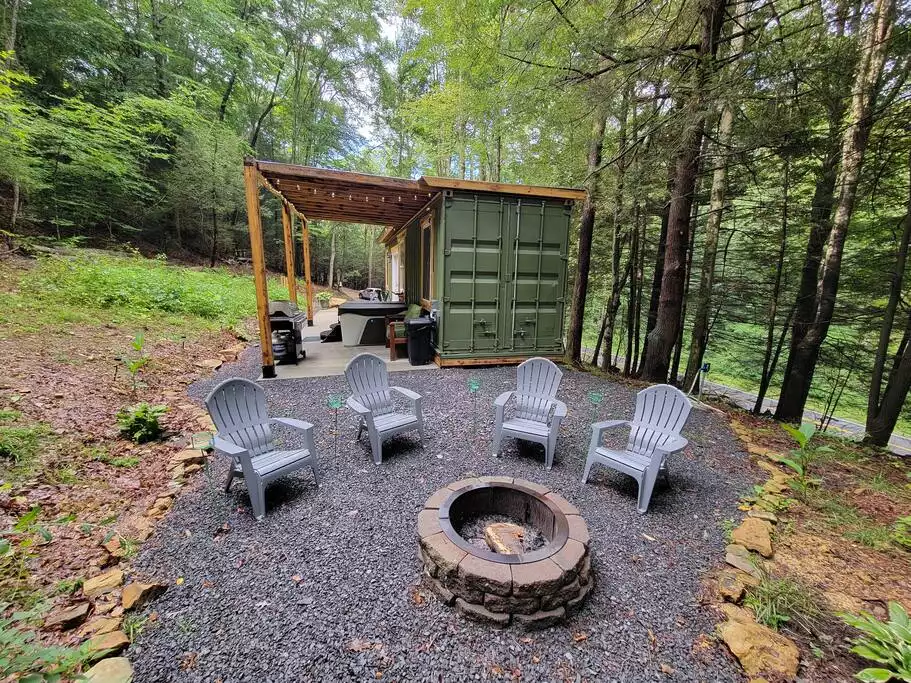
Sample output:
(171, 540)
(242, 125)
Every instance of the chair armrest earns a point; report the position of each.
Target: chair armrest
(291, 422)
(357, 406)
(501, 400)
(229, 447)
(672, 445)
(559, 409)
(407, 393)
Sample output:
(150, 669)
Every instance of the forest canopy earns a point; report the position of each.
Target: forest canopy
(747, 161)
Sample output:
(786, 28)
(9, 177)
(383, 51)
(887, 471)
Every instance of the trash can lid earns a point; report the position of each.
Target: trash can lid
(419, 322)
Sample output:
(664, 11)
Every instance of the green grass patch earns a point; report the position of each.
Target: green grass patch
(784, 602)
(19, 448)
(851, 522)
(96, 288)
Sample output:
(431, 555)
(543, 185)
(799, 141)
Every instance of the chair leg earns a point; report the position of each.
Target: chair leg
(376, 446)
(588, 468)
(497, 439)
(257, 498)
(549, 452)
(361, 426)
(646, 486)
(230, 477)
(315, 469)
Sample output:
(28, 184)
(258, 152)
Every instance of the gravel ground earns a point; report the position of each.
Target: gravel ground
(328, 585)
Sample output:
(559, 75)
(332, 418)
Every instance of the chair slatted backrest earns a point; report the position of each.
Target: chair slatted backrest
(238, 409)
(369, 382)
(538, 381)
(661, 412)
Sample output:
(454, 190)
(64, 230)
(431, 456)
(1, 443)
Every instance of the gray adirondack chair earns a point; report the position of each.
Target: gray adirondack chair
(238, 409)
(661, 412)
(371, 399)
(537, 413)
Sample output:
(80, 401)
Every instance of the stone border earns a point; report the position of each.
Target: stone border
(534, 594)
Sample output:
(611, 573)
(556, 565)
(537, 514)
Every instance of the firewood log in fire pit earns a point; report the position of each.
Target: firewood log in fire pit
(505, 538)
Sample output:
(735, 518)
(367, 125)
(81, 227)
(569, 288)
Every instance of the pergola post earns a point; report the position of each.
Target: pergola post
(305, 245)
(258, 257)
(287, 222)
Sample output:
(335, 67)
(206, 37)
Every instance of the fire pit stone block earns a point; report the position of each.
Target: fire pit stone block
(485, 576)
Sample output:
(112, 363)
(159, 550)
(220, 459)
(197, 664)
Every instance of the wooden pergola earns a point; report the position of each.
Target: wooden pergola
(308, 193)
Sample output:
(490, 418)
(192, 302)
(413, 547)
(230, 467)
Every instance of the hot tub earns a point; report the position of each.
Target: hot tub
(364, 322)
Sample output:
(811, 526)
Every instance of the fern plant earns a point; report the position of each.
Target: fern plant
(886, 643)
(140, 422)
(24, 658)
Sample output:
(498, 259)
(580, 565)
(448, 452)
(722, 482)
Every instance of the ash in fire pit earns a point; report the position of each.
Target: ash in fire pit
(502, 534)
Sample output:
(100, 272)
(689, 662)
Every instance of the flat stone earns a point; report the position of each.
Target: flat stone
(775, 486)
(534, 579)
(103, 583)
(189, 457)
(443, 593)
(743, 563)
(738, 614)
(210, 363)
(481, 613)
(444, 553)
(496, 480)
(575, 604)
(511, 604)
(570, 558)
(137, 594)
(541, 619)
(437, 499)
(585, 571)
(110, 670)
(764, 514)
(69, 617)
(485, 576)
(562, 596)
(140, 528)
(107, 644)
(754, 534)
(540, 489)
(97, 627)
(463, 483)
(192, 469)
(429, 523)
(760, 650)
(730, 586)
(578, 529)
(562, 504)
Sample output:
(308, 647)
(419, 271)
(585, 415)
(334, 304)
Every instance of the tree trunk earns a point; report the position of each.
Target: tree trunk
(661, 339)
(214, 253)
(10, 43)
(768, 366)
(586, 232)
(631, 301)
(155, 21)
(879, 426)
(802, 364)
(657, 276)
(699, 336)
(369, 257)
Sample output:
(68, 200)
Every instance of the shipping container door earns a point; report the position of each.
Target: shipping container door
(472, 273)
(537, 249)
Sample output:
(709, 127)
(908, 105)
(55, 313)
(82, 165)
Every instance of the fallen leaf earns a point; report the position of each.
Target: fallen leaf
(297, 578)
(579, 637)
(360, 645)
(649, 538)
(667, 669)
(207, 584)
(526, 640)
(189, 661)
(179, 580)
(535, 659)
(652, 640)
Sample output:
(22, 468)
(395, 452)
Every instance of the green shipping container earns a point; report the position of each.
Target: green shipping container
(493, 269)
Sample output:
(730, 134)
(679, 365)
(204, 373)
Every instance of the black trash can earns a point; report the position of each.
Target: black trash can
(419, 332)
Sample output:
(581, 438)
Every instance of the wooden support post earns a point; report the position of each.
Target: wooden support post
(254, 221)
(287, 222)
(308, 280)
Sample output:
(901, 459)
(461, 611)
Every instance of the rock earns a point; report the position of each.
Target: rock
(531, 579)
(743, 561)
(760, 650)
(136, 594)
(443, 593)
(775, 485)
(110, 670)
(754, 534)
(97, 627)
(444, 554)
(210, 363)
(498, 603)
(107, 644)
(485, 576)
(765, 515)
(67, 618)
(541, 619)
(189, 457)
(192, 469)
(482, 614)
(103, 583)
(505, 538)
(730, 586)
(735, 613)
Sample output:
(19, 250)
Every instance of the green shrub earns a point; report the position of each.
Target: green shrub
(23, 658)
(886, 643)
(901, 532)
(140, 422)
(777, 602)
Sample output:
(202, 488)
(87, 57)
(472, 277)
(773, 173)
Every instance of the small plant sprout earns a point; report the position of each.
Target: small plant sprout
(595, 398)
(801, 457)
(137, 360)
(140, 422)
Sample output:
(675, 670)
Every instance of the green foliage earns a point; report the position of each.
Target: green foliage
(780, 602)
(901, 532)
(16, 553)
(24, 658)
(140, 422)
(20, 444)
(324, 297)
(887, 644)
(138, 360)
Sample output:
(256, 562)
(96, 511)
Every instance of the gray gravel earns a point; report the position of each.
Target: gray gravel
(327, 586)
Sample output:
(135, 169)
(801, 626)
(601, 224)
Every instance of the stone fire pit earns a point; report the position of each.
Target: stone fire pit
(535, 588)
